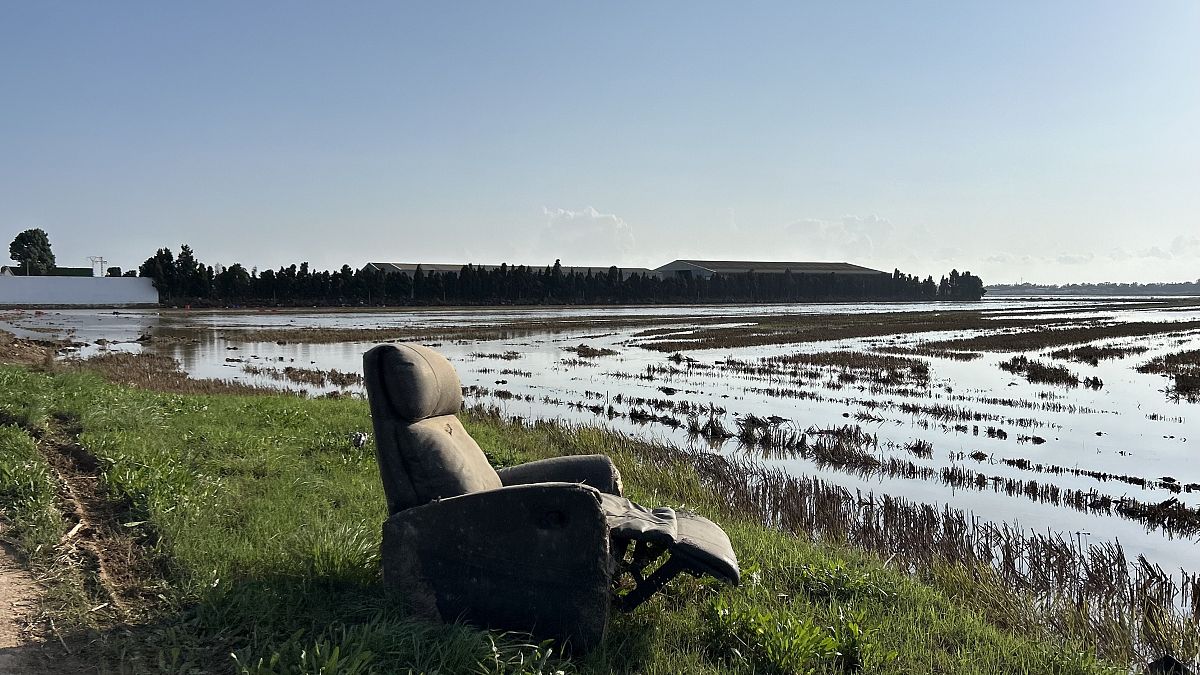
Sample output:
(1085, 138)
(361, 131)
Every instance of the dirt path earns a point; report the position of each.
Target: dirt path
(28, 644)
(20, 642)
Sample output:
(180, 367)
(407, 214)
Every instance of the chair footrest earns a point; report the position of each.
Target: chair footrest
(695, 544)
(706, 546)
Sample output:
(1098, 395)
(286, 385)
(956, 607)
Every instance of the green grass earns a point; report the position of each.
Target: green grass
(27, 491)
(264, 523)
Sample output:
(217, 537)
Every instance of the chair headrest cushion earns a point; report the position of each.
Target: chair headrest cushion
(420, 382)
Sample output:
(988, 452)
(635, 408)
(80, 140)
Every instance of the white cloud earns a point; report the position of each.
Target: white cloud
(586, 237)
(950, 254)
(1075, 258)
(1185, 247)
(1179, 248)
(851, 236)
(1171, 261)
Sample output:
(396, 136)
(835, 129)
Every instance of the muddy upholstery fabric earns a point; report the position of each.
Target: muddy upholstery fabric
(701, 543)
(422, 449)
(443, 460)
(526, 558)
(706, 547)
(627, 520)
(419, 382)
(598, 471)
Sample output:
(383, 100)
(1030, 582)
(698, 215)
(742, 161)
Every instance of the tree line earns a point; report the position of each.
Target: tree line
(1102, 288)
(182, 279)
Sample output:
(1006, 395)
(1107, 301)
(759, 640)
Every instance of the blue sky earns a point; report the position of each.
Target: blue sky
(1044, 141)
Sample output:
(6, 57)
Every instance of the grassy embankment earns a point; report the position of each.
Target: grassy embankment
(225, 532)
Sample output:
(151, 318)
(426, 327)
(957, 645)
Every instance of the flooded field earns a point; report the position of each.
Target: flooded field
(1075, 417)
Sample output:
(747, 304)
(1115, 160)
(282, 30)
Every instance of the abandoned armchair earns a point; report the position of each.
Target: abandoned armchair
(545, 547)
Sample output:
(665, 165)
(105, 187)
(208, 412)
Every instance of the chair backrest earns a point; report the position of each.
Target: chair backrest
(424, 453)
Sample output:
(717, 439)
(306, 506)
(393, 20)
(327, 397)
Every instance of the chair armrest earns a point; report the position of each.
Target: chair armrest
(597, 471)
(525, 558)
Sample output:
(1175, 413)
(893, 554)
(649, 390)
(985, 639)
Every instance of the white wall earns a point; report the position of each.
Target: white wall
(81, 291)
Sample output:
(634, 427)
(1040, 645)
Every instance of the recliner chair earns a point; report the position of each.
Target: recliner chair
(541, 547)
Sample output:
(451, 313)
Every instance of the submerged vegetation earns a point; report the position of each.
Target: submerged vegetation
(1093, 354)
(1185, 362)
(886, 364)
(310, 376)
(1057, 337)
(796, 329)
(588, 352)
(1038, 372)
(1183, 367)
(927, 351)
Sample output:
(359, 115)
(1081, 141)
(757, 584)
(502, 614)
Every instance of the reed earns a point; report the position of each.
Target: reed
(920, 447)
(1184, 370)
(930, 352)
(836, 369)
(1032, 340)
(310, 376)
(1038, 372)
(1172, 364)
(851, 449)
(509, 355)
(589, 352)
(1092, 354)
(1051, 567)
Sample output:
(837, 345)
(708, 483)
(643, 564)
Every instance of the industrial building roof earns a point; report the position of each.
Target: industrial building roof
(743, 266)
(411, 268)
(703, 266)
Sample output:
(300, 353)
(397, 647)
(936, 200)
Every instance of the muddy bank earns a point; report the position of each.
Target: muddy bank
(24, 352)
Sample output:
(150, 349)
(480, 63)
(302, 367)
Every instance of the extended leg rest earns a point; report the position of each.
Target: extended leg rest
(642, 536)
